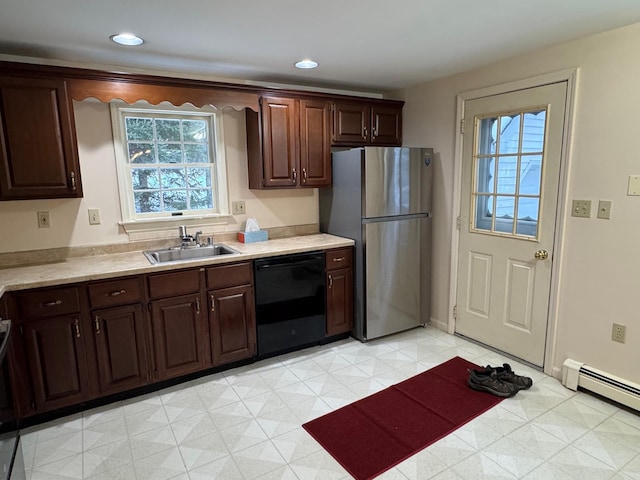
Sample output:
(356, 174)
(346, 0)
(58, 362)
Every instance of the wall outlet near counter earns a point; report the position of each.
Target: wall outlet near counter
(237, 207)
(44, 221)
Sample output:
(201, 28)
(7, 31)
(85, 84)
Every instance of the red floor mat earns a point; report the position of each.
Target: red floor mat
(376, 433)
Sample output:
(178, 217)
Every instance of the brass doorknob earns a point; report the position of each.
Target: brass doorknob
(541, 255)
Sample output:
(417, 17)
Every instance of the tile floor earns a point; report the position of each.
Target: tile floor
(245, 424)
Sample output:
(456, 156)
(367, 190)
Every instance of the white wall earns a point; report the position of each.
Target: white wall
(69, 217)
(598, 284)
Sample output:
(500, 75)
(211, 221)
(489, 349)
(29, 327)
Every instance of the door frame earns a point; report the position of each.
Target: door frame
(571, 77)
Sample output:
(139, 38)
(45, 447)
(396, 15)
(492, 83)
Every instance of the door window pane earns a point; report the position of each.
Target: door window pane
(488, 135)
(485, 175)
(505, 207)
(510, 134)
(507, 168)
(533, 137)
(508, 174)
(528, 209)
(530, 174)
(483, 212)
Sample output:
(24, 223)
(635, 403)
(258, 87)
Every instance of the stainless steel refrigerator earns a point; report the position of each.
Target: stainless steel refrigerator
(381, 198)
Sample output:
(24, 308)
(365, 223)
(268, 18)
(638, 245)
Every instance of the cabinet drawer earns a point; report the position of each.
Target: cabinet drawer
(174, 283)
(229, 275)
(339, 258)
(48, 303)
(115, 292)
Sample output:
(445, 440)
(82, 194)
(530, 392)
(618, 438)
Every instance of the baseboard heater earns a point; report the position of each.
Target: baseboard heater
(576, 374)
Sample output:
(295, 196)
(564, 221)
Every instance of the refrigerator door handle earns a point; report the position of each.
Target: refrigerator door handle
(396, 218)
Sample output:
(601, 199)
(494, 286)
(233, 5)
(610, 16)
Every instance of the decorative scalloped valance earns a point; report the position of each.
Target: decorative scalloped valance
(129, 92)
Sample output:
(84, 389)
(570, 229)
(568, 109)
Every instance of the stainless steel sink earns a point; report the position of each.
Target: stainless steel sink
(181, 254)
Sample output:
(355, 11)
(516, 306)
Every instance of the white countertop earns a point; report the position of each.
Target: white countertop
(82, 269)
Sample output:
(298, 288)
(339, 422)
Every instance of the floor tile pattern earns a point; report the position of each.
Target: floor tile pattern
(245, 424)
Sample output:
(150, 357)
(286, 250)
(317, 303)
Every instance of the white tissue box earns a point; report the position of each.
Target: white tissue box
(250, 237)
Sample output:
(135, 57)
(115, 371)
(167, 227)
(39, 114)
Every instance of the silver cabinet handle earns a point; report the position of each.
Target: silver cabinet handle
(304, 175)
(213, 303)
(116, 293)
(52, 303)
(294, 175)
(364, 133)
(76, 324)
(330, 281)
(197, 305)
(97, 320)
(339, 259)
(73, 180)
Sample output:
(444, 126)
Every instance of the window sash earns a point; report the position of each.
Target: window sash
(194, 192)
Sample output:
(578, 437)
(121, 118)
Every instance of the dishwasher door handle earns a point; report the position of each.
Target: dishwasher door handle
(275, 266)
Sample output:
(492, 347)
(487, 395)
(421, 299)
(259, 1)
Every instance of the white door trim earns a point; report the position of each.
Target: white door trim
(571, 77)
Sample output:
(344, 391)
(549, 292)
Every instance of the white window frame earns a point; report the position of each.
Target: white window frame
(161, 220)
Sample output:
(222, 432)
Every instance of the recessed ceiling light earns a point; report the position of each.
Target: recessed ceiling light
(306, 63)
(128, 39)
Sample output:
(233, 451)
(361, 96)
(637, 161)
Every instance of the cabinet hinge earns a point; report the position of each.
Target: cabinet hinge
(462, 126)
(455, 312)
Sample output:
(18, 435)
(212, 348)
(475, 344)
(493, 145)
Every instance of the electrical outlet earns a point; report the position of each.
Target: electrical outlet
(618, 332)
(237, 207)
(43, 219)
(94, 216)
(581, 208)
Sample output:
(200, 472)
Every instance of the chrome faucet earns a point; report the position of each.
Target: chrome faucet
(187, 240)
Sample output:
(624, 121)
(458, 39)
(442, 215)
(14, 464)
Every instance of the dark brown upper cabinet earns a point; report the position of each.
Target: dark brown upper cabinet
(289, 143)
(362, 123)
(38, 148)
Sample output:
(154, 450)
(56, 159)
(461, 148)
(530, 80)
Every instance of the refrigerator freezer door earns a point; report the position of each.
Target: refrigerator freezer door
(397, 181)
(396, 271)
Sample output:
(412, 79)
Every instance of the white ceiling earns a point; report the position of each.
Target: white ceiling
(367, 45)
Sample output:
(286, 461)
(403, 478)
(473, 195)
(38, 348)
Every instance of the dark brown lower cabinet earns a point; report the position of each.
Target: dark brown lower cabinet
(179, 336)
(57, 361)
(232, 324)
(339, 301)
(121, 351)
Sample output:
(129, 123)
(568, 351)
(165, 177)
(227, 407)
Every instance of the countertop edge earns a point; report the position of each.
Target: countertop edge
(86, 269)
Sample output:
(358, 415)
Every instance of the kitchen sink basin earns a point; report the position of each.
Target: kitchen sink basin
(181, 254)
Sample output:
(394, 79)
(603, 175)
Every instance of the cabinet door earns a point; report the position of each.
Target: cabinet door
(232, 324)
(179, 336)
(57, 361)
(339, 301)
(386, 125)
(315, 143)
(351, 122)
(280, 141)
(38, 148)
(121, 349)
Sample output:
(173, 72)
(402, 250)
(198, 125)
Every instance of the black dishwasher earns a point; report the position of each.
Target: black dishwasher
(290, 302)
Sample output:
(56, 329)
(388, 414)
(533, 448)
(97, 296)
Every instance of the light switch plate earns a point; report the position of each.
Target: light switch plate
(634, 185)
(604, 209)
(581, 208)
(94, 216)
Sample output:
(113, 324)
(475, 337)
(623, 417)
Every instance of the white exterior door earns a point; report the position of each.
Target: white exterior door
(510, 172)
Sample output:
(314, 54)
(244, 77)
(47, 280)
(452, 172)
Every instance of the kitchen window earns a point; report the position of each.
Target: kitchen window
(170, 162)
